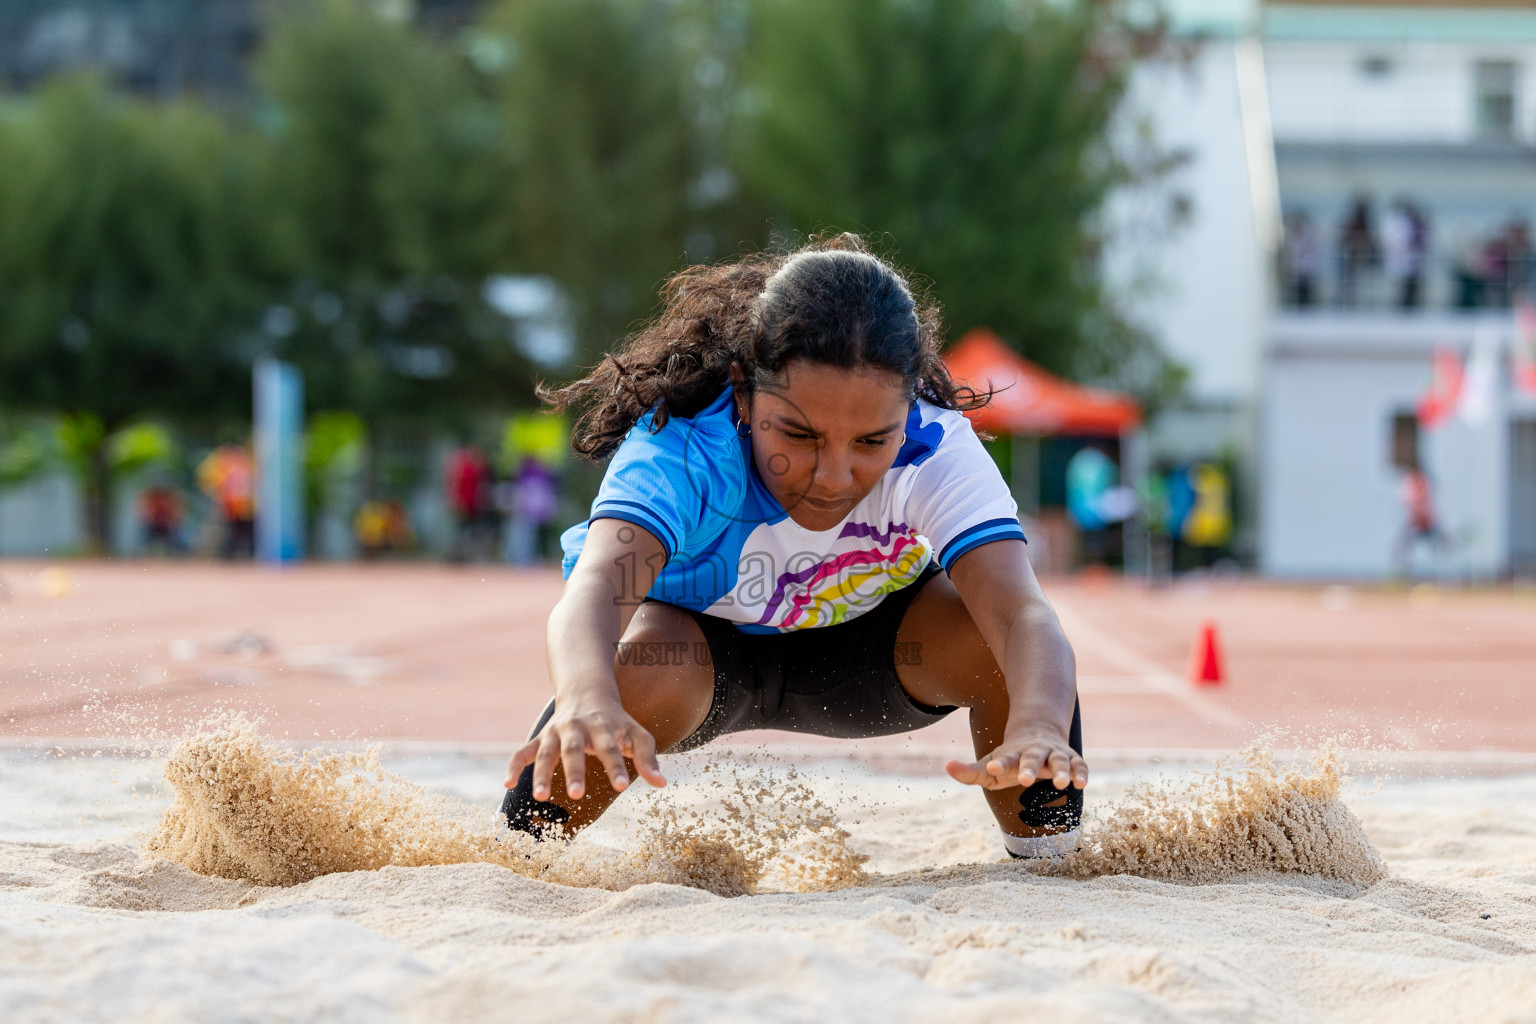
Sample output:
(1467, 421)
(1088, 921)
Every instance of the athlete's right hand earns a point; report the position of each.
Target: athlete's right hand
(604, 730)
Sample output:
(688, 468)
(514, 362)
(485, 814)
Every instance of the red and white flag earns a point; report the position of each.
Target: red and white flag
(1481, 378)
(1439, 404)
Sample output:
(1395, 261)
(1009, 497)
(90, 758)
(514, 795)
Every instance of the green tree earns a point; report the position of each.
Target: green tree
(126, 268)
(25, 454)
(385, 160)
(604, 186)
(971, 138)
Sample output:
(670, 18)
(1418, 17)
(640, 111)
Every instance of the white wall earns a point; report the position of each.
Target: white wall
(1319, 91)
(1201, 290)
(41, 517)
(1331, 500)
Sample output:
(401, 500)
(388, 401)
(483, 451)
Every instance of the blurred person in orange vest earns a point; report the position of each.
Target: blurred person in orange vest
(228, 477)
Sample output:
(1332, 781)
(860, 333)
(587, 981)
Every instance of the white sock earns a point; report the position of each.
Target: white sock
(1042, 847)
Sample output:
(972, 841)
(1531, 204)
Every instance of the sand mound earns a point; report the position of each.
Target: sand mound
(243, 809)
(1279, 928)
(1225, 823)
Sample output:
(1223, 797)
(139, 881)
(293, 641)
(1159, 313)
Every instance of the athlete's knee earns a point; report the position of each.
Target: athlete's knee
(983, 685)
(658, 643)
(664, 670)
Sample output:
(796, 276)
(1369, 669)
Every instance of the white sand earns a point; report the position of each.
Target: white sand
(941, 927)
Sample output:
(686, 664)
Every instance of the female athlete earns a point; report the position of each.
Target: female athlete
(798, 529)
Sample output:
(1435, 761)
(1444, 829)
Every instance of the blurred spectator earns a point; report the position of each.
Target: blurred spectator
(1358, 250)
(1499, 269)
(370, 530)
(1509, 262)
(1091, 474)
(535, 501)
(1421, 523)
(1302, 260)
(382, 528)
(228, 477)
(1493, 271)
(469, 499)
(161, 512)
(1208, 526)
(1404, 239)
(1469, 275)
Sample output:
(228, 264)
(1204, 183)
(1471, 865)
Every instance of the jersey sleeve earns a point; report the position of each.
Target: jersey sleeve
(959, 499)
(661, 481)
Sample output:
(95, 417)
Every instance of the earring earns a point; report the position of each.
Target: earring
(741, 421)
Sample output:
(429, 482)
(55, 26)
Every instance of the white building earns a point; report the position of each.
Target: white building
(1433, 106)
(1310, 346)
(1200, 278)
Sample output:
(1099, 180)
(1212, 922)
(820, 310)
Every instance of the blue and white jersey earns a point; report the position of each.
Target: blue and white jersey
(734, 552)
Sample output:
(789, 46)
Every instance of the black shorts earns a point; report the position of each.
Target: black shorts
(835, 680)
(828, 680)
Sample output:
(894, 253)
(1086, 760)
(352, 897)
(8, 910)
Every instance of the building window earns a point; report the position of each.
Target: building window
(1494, 91)
(1405, 440)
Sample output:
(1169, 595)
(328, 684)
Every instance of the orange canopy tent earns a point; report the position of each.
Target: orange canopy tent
(1034, 401)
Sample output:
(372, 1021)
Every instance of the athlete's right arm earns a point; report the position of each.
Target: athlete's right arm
(618, 564)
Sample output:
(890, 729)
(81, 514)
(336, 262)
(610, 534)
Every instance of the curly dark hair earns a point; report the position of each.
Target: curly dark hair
(831, 302)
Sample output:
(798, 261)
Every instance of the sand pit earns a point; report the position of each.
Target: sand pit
(338, 887)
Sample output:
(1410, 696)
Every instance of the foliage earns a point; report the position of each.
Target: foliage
(972, 137)
(602, 152)
(24, 455)
(80, 439)
(333, 441)
(348, 218)
(124, 249)
(141, 446)
(383, 159)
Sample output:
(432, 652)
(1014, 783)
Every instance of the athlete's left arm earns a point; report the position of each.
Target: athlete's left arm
(999, 588)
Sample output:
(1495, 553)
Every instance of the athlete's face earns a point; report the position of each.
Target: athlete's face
(824, 437)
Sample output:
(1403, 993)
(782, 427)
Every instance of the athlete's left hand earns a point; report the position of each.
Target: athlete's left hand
(1023, 758)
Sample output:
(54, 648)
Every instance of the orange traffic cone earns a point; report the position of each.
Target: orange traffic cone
(1205, 667)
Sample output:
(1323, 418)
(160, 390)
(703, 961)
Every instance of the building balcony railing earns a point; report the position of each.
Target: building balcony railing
(1441, 283)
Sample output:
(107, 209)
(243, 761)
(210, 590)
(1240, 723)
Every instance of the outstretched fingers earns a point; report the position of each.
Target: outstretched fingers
(1004, 769)
(573, 758)
(606, 749)
(1032, 765)
(978, 773)
(640, 747)
(1064, 767)
(568, 745)
(544, 763)
(521, 758)
(1079, 770)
